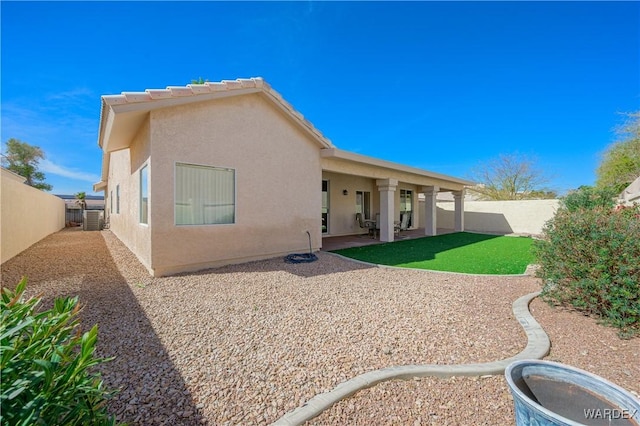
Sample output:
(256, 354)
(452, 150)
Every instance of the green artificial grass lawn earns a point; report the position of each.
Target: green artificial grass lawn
(459, 252)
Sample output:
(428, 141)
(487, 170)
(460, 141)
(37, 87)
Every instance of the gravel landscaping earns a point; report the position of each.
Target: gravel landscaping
(246, 344)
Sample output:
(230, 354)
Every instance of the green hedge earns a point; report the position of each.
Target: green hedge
(48, 375)
(588, 197)
(590, 259)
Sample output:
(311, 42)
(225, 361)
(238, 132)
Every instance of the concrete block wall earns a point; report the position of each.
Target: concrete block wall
(27, 215)
(500, 217)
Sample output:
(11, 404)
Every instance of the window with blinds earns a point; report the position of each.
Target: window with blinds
(204, 195)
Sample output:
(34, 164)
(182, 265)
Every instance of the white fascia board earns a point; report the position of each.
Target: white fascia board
(157, 103)
(106, 126)
(363, 159)
(100, 186)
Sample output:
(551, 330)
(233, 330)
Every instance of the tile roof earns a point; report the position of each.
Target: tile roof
(197, 92)
(131, 104)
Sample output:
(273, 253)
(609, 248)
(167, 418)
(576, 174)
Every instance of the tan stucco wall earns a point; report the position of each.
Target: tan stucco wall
(501, 217)
(278, 178)
(28, 215)
(124, 171)
(342, 208)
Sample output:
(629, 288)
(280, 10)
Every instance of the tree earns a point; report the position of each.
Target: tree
(23, 159)
(588, 198)
(199, 81)
(510, 177)
(81, 200)
(620, 163)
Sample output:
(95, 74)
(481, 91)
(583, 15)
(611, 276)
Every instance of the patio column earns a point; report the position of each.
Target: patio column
(458, 198)
(387, 188)
(430, 212)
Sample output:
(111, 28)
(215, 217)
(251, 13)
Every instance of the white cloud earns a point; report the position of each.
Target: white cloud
(49, 167)
(65, 131)
(55, 118)
(72, 95)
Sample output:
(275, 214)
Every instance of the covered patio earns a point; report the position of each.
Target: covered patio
(384, 193)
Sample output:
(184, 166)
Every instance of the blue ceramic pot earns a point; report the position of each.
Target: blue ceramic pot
(549, 393)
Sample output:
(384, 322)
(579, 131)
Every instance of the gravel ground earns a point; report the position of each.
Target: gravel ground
(245, 344)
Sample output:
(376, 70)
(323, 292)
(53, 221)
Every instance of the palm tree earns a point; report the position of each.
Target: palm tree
(81, 200)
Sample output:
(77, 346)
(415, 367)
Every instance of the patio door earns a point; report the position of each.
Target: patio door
(406, 204)
(325, 206)
(363, 204)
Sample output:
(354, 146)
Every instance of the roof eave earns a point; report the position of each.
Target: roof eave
(152, 99)
(100, 186)
(363, 159)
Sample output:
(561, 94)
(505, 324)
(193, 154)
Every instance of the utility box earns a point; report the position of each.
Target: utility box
(91, 220)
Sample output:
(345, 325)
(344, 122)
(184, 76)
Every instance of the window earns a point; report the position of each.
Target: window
(111, 201)
(118, 199)
(204, 195)
(144, 194)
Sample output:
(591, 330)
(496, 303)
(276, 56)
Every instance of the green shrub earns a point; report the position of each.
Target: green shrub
(590, 259)
(587, 197)
(47, 365)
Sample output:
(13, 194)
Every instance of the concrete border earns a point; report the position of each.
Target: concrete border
(538, 346)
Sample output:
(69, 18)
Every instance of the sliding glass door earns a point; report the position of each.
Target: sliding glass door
(363, 204)
(325, 206)
(406, 204)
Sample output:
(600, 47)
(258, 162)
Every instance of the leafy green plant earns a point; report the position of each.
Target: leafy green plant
(47, 364)
(620, 164)
(588, 197)
(590, 259)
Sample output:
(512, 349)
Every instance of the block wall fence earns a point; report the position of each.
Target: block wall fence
(27, 215)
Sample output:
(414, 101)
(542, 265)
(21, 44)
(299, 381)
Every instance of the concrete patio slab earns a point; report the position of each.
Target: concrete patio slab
(348, 241)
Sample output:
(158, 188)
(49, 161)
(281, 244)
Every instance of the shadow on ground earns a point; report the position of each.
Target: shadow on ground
(73, 262)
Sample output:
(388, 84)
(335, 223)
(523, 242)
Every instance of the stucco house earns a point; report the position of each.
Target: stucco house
(228, 172)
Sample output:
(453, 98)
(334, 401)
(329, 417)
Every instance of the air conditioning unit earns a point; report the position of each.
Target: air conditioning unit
(91, 220)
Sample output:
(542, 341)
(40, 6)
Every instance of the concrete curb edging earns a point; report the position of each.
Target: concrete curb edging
(538, 346)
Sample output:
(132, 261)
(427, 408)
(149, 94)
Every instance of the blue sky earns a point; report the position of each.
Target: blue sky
(442, 86)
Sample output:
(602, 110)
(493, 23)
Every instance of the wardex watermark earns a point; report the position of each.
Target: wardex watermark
(609, 413)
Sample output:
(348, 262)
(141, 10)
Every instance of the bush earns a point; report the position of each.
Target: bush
(587, 197)
(590, 259)
(46, 365)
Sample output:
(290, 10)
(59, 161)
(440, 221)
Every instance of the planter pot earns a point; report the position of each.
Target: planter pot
(549, 393)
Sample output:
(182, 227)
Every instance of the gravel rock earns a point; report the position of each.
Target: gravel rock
(245, 344)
